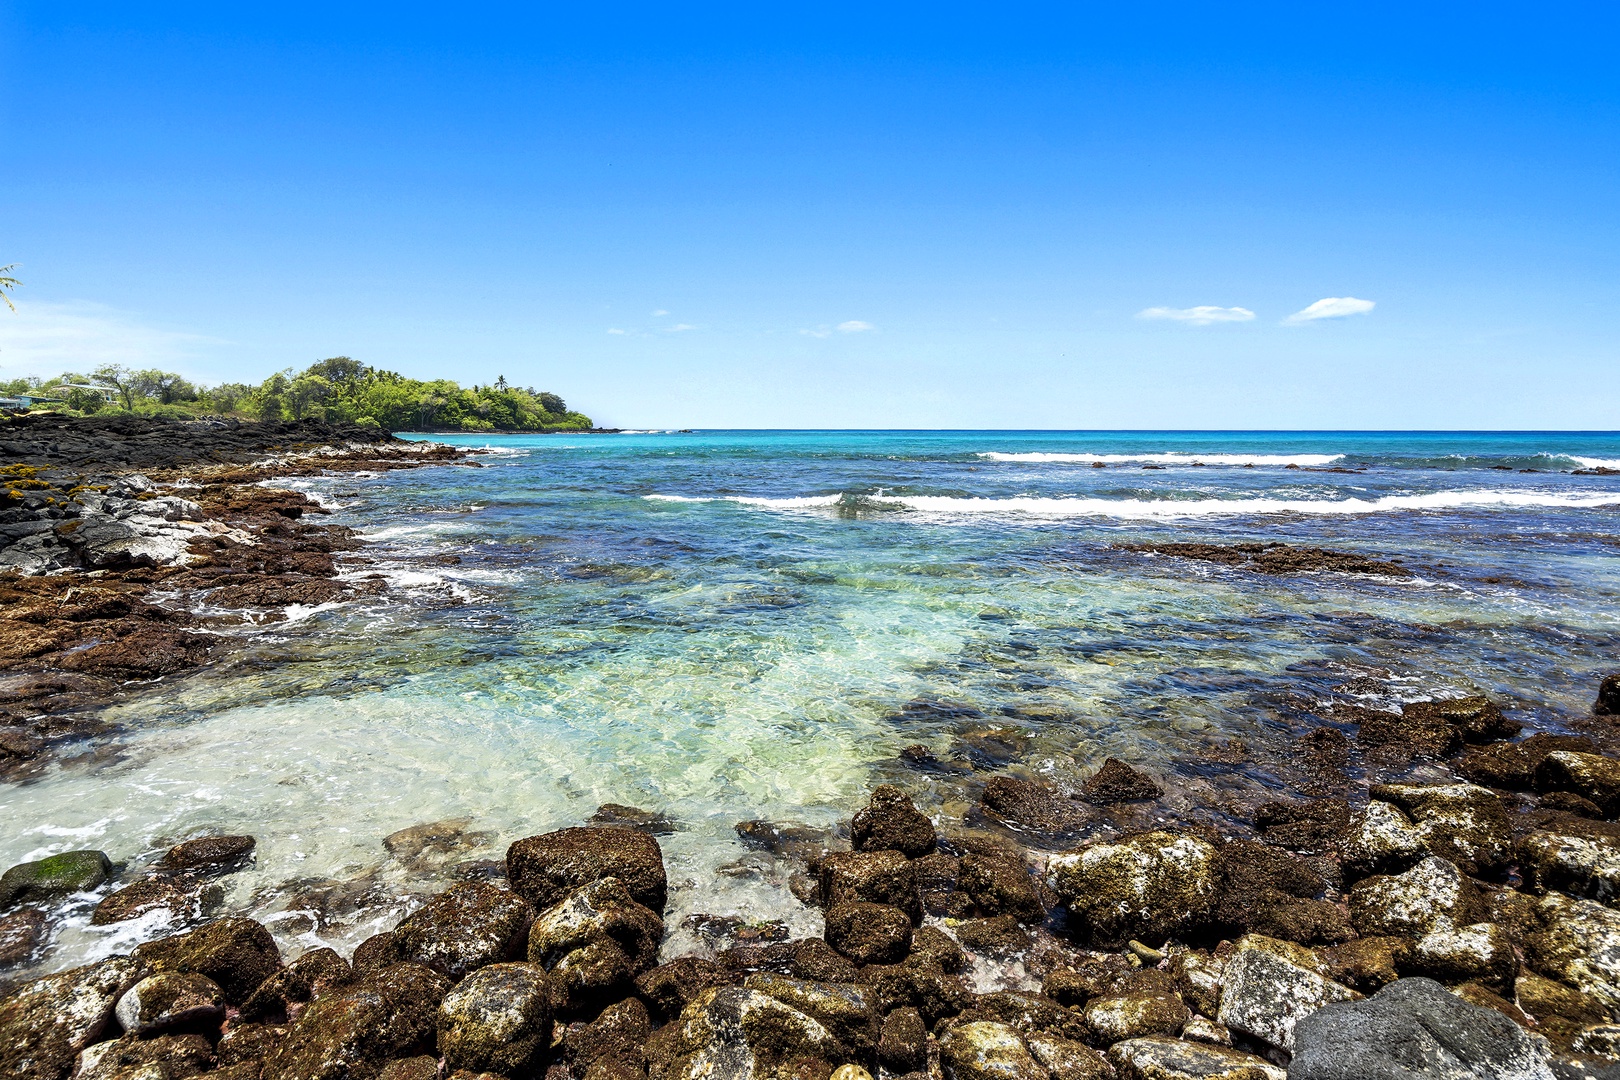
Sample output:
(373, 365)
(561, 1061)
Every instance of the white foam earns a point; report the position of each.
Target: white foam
(1068, 507)
(1171, 458)
(1594, 462)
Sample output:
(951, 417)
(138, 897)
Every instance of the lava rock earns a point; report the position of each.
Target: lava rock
(1152, 886)
(238, 954)
(545, 869)
(46, 1022)
(311, 975)
(670, 988)
(53, 876)
(465, 928)
(389, 1014)
(1113, 1018)
(1464, 823)
(903, 1042)
(1380, 840)
(1414, 1027)
(1001, 887)
(22, 932)
(171, 1001)
(891, 822)
(185, 900)
(1608, 699)
(869, 933)
(1433, 895)
(498, 1019)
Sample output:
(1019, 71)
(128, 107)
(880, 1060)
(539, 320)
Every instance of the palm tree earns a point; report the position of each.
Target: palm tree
(7, 284)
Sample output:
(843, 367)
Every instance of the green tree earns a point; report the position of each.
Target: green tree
(119, 378)
(8, 283)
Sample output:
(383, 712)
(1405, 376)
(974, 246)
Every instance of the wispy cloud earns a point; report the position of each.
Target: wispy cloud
(614, 330)
(854, 326)
(1203, 315)
(659, 312)
(1331, 307)
(679, 327)
(45, 339)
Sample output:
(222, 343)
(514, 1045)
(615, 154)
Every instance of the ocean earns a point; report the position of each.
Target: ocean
(720, 626)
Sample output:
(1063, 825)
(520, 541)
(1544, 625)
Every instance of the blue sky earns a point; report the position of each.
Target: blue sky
(727, 216)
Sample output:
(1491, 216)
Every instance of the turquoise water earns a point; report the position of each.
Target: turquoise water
(730, 625)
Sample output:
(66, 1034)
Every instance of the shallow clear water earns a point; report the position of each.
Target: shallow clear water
(722, 626)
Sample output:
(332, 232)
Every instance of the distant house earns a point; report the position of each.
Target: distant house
(28, 401)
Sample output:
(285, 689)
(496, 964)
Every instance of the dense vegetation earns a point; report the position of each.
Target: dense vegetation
(339, 389)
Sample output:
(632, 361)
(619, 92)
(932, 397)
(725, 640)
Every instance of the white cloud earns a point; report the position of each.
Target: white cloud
(1331, 307)
(854, 326)
(1197, 316)
(678, 327)
(46, 339)
(614, 330)
(659, 312)
(820, 331)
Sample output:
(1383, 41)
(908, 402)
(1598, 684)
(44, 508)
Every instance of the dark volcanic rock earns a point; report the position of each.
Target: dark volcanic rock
(238, 954)
(1413, 1027)
(1608, 699)
(176, 1056)
(121, 441)
(890, 822)
(311, 975)
(1001, 887)
(1594, 778)
(1151, 886)
(1512, 765)
(1034, 808)
(669, 988)
(878, 877)
(22, 932)
(544, 869)
(171, 1001)
(348, 1035)
(1117, 782)
(186, 899)
(1311, 827)
(465, 928)
(1276, 558)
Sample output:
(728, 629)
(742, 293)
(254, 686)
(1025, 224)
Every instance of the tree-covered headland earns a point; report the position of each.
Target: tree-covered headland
(335, 390)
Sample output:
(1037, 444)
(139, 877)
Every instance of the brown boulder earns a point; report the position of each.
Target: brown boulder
(1038, 809)
(877, 877)
(669, 988)
(890, 822)
(238, 954)
(349, 1035)
(545, 869)
(215, 854)
(869, 933)
(465, 928)
(1608, 699)
(186, 899)
(46, 1022)
(311, 975)
(1512, 765)
(1117, 782)
(1001, 887)
(1594, 778)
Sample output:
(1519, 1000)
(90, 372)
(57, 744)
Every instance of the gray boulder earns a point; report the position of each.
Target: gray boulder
(1412, 1029)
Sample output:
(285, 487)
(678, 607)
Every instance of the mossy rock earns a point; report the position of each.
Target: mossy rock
(55, 875)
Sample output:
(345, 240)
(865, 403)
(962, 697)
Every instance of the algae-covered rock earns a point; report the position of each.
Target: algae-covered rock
(848, 1011)
(1433, 895)
(22, 933)
(1198, 977)
(160, 1057)
(1159, 1057)
(612, 1045)
(1030, 1014)
(1587, 866)
(1480, 953)
(1270, 985)
(498, 1019)
(1380, 840)
(311, 975)
(891, 822)
(53, 876)
(238, 954)
(743, 1034)
(670, 988)
(1590, 776)
(1578, 944)
(1117, 782)
(184, 899)
(1115, 1017)
(1001, 887)
(210, 854)
(1512, 766)
(869, 933)
(171, 1001)
(464, 928)
(1152, 886)
(348, 1035)
(986, 1050)
(876, 877)
(1066, 1059)
(903, 1041)
(46, 1022)
(545, 869)
(1412, 1028)
(1366, 964)
(595, 941)
(1464, 823)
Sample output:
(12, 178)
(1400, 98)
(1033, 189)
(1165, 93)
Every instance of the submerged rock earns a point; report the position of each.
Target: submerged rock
(45, 1023)
(545, 869)
(1152, 886)
(1117, 782)
(890, 822)
(53, 876)
(1414, 1027)
(185, 899)
(1036, 809)
(22, 933)
(497, 1020)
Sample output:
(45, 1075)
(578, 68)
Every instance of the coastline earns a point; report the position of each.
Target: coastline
(1136, 924)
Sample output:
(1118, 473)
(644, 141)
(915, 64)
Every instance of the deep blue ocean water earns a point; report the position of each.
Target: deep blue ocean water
(730, 625)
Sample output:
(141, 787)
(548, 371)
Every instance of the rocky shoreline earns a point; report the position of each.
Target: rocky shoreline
(1456, 920)
(130, 549)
